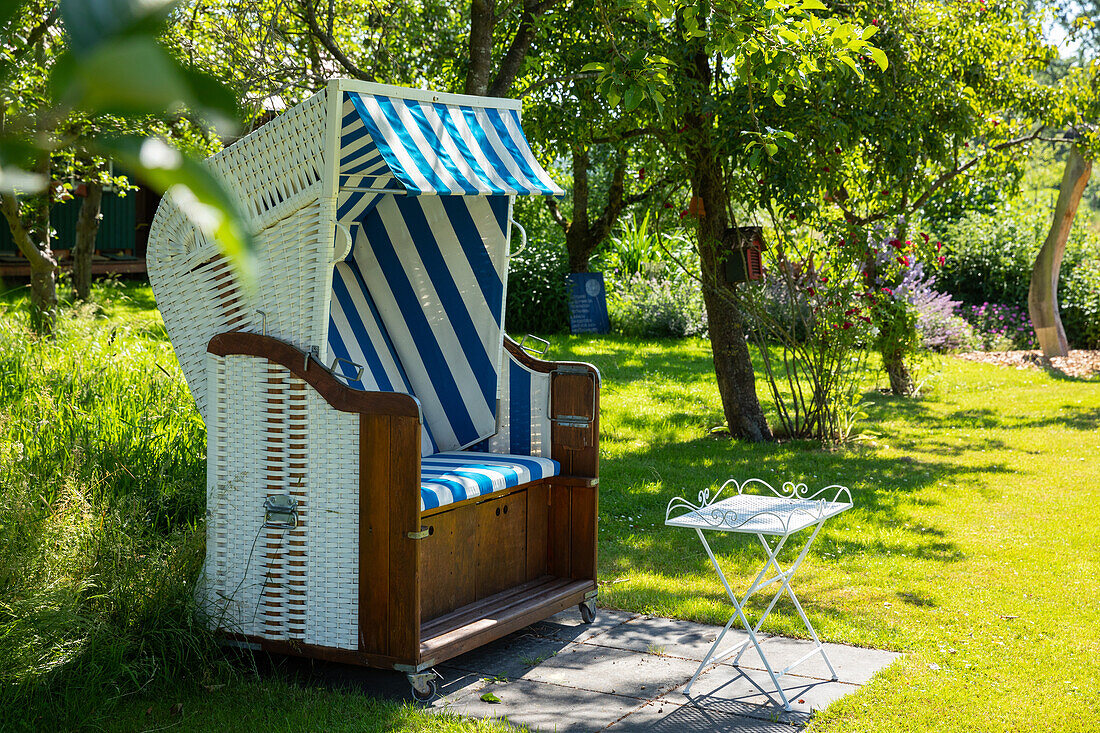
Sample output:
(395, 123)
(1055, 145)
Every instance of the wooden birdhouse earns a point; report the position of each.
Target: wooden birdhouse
(743, 247)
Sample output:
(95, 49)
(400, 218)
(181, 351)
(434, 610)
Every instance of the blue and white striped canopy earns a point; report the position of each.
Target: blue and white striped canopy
(425, 190)
(436, 148)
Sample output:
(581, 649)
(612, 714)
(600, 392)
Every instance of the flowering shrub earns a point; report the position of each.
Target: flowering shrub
(657, 307)
(1000, 327)
(938, 324)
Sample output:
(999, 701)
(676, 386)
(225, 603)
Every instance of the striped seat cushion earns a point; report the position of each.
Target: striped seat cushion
(449, 477)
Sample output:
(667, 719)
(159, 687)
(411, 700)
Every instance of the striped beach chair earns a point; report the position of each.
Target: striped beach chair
(392, 481)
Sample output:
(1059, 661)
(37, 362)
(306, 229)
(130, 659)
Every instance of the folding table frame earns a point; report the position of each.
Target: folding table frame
(782, 514)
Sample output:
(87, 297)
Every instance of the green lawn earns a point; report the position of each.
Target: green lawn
(972, 547)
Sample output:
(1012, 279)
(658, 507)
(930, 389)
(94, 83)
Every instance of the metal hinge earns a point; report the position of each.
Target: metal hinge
(418, 535)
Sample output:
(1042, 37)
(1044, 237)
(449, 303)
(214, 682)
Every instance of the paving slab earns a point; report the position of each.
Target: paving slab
(852, 663)
(667, 636)
(751, 692)
(613, 671)
(665, 717)
(567, 625)
(546, 707)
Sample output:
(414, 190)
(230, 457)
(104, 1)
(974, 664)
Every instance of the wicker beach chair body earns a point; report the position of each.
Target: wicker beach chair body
(392, 481)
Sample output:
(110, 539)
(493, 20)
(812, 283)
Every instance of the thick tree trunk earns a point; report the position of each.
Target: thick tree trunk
(87, 227)
(482, 21)
(732, 361)
(34, 242)
(901, 381)
(1042, 296)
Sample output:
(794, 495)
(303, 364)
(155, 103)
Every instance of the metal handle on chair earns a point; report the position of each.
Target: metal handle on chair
(358, 375)
(533, 352)
(522, 236)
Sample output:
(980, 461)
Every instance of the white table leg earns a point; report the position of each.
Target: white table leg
(786, 586)
(740, 614)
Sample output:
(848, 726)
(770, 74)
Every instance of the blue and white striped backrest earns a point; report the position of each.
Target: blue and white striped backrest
(434, 269)
(356, 334)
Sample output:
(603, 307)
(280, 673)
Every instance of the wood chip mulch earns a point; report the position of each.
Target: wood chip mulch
(1080, 364)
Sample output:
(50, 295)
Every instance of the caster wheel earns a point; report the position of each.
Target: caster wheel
(588, 611)
(424, 686)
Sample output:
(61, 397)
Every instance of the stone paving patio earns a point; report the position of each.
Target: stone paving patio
(627, 672)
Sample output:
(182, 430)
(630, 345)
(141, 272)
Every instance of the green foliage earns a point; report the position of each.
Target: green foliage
(636, 249)
(102, 477)
(108, 68)
(668, 306)
(538, 293)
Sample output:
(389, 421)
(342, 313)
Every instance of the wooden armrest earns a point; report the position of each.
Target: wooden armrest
(336, 393)
(545, 367)
(574, 411)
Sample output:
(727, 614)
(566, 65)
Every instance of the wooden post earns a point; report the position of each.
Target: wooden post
(1042, 296)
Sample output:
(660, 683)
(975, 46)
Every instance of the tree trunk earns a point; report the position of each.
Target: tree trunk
(732, 361)
(1042, 296)
(87, 226)
(901, 382)
(39, 254)
(482, 21)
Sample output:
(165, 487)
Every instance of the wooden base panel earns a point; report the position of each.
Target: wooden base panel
(478, 623)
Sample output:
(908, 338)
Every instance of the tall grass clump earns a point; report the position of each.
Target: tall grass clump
(101, 534)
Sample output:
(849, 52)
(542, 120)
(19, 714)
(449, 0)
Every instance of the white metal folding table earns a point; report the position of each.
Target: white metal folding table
(780, 514)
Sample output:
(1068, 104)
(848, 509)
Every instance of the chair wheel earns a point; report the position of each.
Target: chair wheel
(424, 686)
(588, 611)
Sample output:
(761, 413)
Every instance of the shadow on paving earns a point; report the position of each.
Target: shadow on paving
(562, 675)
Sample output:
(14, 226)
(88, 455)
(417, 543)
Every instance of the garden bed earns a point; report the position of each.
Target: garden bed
(1080, 364)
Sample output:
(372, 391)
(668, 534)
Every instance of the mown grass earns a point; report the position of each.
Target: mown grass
(972, 546)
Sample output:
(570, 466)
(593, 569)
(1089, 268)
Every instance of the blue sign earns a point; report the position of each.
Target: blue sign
(587, 303)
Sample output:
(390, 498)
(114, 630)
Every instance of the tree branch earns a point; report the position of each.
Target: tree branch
(959, 170)
(947, 177)
(315, 30)
(521, 43)
(556, 80)
(660, 135)
(555, 213)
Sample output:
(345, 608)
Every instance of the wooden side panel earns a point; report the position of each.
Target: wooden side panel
(374, 532)
(389, 590)
(559, 539)
(538, 518)
(404, 596)
(583, 515)
(501, 543)
(447, 562)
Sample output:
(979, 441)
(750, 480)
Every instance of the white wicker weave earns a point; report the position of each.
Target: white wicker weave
(276, 173)
(277, 435)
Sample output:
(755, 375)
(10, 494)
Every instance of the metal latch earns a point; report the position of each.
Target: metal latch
(281, 511)
(422, 534)
(572, 421)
